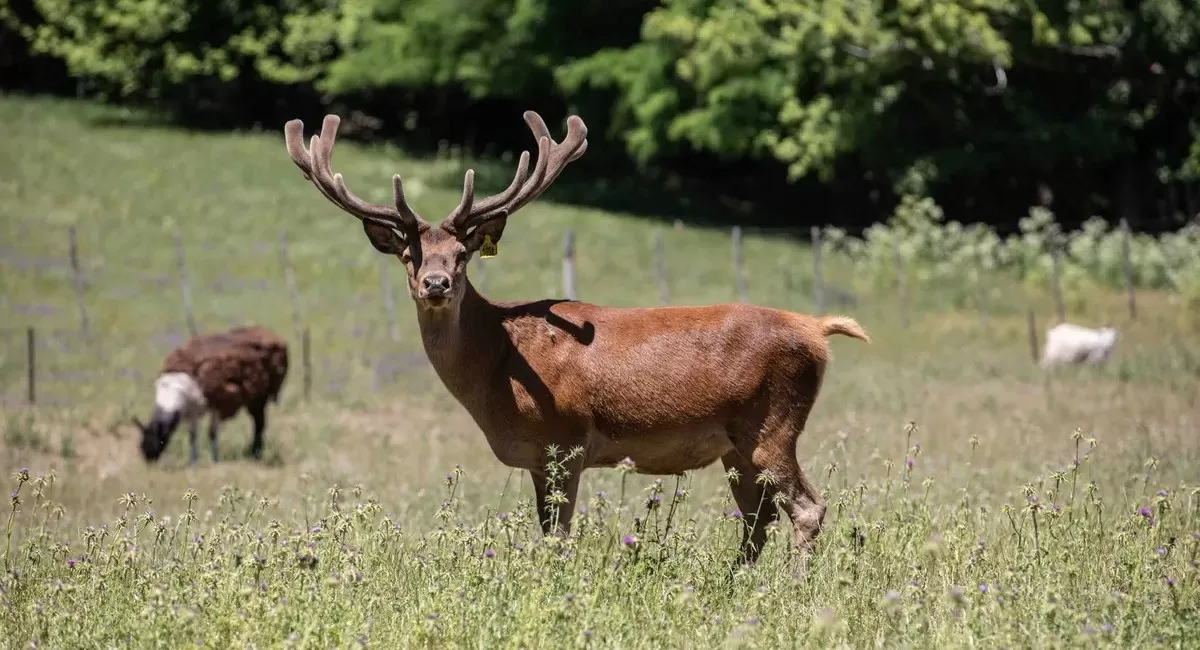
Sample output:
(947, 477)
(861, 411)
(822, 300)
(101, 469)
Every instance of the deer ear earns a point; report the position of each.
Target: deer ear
(493, 230)
(384, 239)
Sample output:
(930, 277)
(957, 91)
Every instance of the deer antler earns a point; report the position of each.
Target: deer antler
(314, 162)
(553, 157)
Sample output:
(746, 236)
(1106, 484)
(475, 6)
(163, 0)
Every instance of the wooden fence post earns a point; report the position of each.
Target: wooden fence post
(1060, 310)
(1127, 268)
(183, 285)
(737, 264)
(73, 249)
(569, 265)
(389, 301)
(290, 277)
(901, 280)
(818, 275)
(1033, 336)
(306, 360)
(981, 287)
(31, 363)
(660, 268)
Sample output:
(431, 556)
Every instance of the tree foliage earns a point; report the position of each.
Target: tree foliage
(975, 103)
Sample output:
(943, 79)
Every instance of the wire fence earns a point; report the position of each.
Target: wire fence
(133, 301)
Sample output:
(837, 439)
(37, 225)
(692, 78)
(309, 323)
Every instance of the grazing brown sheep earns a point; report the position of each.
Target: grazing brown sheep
(217, 374)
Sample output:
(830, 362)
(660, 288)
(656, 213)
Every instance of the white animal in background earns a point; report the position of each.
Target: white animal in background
(1067, 343)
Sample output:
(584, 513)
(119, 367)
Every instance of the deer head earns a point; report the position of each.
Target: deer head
(435, 257)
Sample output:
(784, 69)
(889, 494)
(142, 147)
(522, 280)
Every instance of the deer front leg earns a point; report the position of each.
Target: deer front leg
(556, 503)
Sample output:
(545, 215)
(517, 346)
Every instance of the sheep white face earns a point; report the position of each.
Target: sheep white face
(178, 392)
(176, 397)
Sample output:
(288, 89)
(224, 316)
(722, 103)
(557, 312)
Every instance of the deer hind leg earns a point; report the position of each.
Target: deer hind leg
(800, 498)
(773, 452)
(756, 502)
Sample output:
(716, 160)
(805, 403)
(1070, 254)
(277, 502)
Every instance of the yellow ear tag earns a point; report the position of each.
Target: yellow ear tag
(488, 248)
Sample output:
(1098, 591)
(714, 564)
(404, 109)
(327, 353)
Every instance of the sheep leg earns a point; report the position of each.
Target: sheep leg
(213, 426)
(193, 433)
(259, 413)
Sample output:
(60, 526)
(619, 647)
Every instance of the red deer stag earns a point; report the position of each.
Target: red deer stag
(671, 388)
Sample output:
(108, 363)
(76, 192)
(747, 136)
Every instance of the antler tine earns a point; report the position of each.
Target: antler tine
(468, 198)
(557, 156)
(315, 161)
(484, 208)
(402, 208)
(553, 157)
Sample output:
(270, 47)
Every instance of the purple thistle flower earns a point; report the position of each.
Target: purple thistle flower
(1170, 581)
(1107, 628)
(628, 540)
(489, 553)
(1160, 551)
(1162, 493)
(316, 529)
(909, 463)
(1145, 512)
(983, 588)
(736, 513)
(71, 562)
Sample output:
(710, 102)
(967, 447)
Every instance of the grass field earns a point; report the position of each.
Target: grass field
(1015, 510)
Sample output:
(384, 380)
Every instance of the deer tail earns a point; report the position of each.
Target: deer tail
(845, 326)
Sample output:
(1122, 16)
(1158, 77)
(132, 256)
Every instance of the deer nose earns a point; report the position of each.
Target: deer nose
(436, 284)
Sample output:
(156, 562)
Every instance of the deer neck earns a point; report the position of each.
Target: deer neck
(464, 345)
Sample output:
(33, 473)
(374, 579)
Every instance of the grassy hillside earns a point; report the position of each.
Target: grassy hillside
(954, 549)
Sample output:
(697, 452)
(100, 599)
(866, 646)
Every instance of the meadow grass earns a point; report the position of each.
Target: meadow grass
(973, 500)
